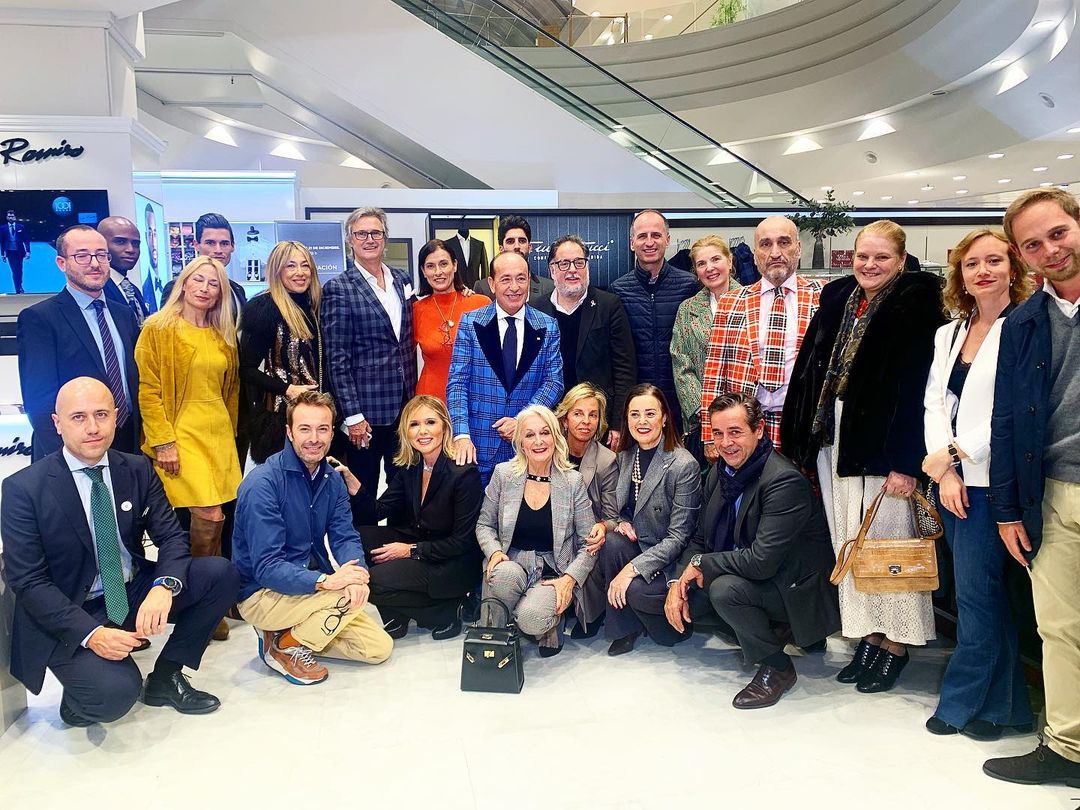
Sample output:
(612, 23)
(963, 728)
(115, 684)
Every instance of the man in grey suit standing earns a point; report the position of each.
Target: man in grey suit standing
(760, 563)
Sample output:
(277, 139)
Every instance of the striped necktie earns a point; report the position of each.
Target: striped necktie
(112, 363)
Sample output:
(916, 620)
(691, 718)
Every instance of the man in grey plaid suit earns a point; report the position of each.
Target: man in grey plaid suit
(368, 343)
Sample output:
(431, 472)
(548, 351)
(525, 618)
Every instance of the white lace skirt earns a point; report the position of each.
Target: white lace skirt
(907, 618)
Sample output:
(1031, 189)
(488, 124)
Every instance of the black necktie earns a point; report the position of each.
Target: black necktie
(112, 363)
(509, 350)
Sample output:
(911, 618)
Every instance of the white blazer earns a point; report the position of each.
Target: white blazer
(975, 406)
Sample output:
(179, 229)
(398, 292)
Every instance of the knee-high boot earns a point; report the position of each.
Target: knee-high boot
(206, 542)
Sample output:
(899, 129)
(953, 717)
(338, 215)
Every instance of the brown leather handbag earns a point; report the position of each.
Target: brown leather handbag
(894, 564)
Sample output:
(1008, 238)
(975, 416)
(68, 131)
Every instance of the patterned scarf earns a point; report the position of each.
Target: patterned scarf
(852, 329)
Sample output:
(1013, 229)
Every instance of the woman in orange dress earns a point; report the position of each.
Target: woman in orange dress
(436, 316)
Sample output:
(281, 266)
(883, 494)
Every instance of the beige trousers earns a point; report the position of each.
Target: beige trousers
(1055, 586)
(322, 622)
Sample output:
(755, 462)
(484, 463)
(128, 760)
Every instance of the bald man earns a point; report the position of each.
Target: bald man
(86, 596)
(124, 244)
(757, 330)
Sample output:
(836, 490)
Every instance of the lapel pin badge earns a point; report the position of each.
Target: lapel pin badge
(126, 506)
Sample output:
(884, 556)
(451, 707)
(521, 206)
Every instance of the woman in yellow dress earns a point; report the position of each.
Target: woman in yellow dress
(188, 392)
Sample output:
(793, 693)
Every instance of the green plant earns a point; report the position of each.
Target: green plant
(829, 217)
(727, 12)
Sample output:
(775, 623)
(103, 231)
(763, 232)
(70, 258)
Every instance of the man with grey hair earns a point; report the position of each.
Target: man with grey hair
(369, 351)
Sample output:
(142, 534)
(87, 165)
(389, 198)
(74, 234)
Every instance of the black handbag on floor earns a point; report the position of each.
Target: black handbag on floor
(491, 659)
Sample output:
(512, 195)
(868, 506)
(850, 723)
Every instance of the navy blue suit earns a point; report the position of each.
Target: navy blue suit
(55, 346)
(15, 248)
(50, 564)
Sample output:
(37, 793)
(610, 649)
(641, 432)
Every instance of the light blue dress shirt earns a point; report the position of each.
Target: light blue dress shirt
(85, 303)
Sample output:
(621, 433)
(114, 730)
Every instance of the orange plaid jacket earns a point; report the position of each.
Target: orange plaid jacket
(731, 361)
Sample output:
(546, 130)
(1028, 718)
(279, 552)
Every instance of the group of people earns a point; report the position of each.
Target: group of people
(679, 452)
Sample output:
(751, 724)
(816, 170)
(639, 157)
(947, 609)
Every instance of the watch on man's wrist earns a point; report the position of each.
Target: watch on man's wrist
(954, 454)
(696, 561)
(172, 583)
(414, 552)
(320, 581)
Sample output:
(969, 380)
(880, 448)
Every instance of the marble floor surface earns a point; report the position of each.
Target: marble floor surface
(652, 729)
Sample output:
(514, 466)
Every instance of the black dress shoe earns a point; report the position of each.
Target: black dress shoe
(588, 631)
(176, 691)
(452, 630)
(396, 628)
(69, 717)
(550, 652)
(935, 725)
(470, 608)
(621, 646)
(882, 676)
(816, 647)
(766, 689)
(985, 731)
(863, 660)
(1042, 766)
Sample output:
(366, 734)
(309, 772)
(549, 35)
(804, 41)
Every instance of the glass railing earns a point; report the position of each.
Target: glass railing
(541, 61)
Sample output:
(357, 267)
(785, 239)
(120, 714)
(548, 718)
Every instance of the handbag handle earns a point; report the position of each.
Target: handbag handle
(495, 601)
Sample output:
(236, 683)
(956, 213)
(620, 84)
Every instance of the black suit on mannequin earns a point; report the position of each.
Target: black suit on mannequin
(469, 272)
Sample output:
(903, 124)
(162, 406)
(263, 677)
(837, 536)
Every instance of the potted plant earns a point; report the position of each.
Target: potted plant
(829, 217)
(727, 12)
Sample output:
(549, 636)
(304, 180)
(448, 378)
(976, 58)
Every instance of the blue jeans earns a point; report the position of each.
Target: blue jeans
(984, 679)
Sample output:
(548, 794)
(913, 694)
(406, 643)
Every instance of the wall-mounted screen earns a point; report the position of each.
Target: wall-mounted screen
(154, 256)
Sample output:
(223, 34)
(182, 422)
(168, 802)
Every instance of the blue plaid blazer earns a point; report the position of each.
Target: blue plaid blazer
(371, 372)
(478, 396)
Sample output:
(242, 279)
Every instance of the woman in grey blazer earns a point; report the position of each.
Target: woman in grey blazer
(659, 493)
(581, 416)
(536, 530)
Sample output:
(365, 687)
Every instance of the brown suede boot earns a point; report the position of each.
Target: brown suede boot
(206, 542)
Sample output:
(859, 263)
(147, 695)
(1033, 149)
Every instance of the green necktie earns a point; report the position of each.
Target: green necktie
(107, 542)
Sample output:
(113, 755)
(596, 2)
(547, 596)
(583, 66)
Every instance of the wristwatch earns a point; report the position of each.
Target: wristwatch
(696, 561)
(414, 552)
(320, 581)
(954, 454)
(172, 583)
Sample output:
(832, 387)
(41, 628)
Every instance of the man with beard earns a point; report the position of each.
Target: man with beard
(285, 507)
(1035, 467)
(594, 332)
(124, 245)
(758, 329)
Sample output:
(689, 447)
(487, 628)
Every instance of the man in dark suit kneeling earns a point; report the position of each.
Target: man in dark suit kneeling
(85, 594)
(760, 563)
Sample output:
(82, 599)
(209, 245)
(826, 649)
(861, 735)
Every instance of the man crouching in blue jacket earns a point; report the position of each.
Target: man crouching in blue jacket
(284, 509)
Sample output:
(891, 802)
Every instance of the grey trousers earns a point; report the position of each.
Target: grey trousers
(531, 603)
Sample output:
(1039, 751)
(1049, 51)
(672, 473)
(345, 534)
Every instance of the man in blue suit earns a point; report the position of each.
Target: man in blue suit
(78, 333)
(506, 356)
(14, 248)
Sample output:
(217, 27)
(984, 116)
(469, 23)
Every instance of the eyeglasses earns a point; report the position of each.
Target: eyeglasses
(83, 257)
(562, 265)
(363, 236)
(333, 620)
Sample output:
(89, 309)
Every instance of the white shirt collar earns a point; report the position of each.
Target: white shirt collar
(371, 277)
(501, 313)
(790, 283)
(75, 464)
(555, 302)
(1068, 309)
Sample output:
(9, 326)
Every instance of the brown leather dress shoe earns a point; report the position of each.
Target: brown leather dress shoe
(766, 689)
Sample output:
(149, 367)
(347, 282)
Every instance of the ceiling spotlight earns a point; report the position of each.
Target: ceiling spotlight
(595, 14)
(287, 150)
(1040, 168)
(1045, 185)
(648, 37)
(912, 202)
(1073, 130)
(887, 197)
(996, 155)
(667, 18)
(870, 157)
(1047, 100)
(1014, 75)
(803, 144)
(353, 162)
(857, 193)
(961, 191)
(959, 177)
(927, 188)
(221, 135)
(1004, 180)
(1066, 156)
(875, 129)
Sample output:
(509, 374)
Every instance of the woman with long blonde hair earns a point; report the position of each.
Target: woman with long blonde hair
(281, 352)
(188, 395)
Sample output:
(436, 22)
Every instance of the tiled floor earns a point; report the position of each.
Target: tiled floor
(652, 729)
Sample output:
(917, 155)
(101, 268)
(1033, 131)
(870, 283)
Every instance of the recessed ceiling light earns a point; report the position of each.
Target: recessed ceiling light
(353, 162)
(961, 191)
(1044, 24)
(1040, 168)
(959, 177)
(648, 36)
(667, 18)
(1045, 185)
(1004, 180)
(826, 188)
(595, 14)
(1066, 156)
(857, 193)
(887, 197)
(803, 144)
(875, 129)
(288, 150)
(927, 188)
(1073, 130)
(219, 134)
(912, 202)
(911, 174)
(721, 157)
(996, 155)
(1014, 75)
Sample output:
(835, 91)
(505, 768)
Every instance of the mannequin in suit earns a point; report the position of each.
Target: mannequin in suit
(471, 255)
(60, 338)
(86, 596)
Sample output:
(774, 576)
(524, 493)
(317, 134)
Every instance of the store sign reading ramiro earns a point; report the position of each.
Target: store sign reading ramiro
(17, 150)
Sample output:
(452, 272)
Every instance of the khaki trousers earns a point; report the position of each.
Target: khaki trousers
(322, 622)
(1055, 586)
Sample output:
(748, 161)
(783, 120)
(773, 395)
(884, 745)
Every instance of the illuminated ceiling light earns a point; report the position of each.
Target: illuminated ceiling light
(996, 155)
(1045, 185)
(1066, 156)
(857, 193)
(287, 150)
(875, 129)
(621, 138)
(961, 191)
(656, 164)
(1004, 180)
(723, 157)
(803, 144)
(1073, 131)
(667, 18)
(1040, 168)
(1014, 74)
(912, 202)
(927, 188)
(826, 188)
(959, 177)
(595, 14)
(648, 37)
(353, 162)
(887, 197)
(219, 134)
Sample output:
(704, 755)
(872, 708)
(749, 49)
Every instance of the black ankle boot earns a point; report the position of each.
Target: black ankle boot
(865, 654)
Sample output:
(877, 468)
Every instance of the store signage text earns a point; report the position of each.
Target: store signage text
(17, 150)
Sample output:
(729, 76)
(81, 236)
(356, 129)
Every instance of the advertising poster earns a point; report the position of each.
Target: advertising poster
(153, 257)
(325, 240)
(606, 235)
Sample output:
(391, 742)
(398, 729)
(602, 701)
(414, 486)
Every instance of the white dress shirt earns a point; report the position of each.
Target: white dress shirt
(464, 242)
(560, 308)
(392, 304)
(1069, 310)
(774, 400)
(519, 317)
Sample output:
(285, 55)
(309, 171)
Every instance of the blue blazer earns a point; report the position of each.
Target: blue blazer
(371, 371)
(55, 346)
(113, 293)
(477, 394)
(49, 557)
(1018, 424)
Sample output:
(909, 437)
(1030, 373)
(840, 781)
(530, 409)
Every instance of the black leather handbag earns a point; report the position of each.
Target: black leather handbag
(491, 658)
